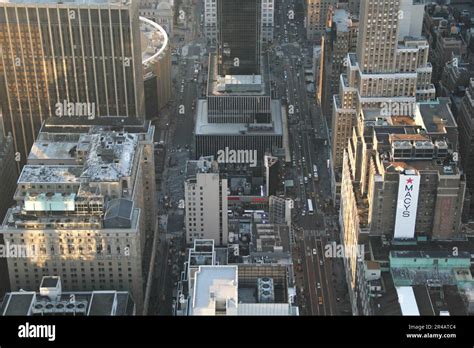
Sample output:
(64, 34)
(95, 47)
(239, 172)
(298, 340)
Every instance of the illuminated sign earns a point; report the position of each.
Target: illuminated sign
(408, 190)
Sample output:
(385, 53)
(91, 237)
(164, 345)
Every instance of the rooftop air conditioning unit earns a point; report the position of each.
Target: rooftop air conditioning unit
(266, 290)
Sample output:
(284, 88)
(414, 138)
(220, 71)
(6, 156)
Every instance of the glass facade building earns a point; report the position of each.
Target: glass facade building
(239, 36)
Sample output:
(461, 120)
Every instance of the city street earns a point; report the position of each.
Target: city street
(309, 137)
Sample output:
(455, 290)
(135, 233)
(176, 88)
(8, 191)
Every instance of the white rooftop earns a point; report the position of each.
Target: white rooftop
(213, 284)
(45, 149)
(101, 167)
(406, 298)
(265, 309)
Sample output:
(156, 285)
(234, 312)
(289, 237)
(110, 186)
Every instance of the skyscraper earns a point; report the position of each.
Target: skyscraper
(239, 112)
(239, 36)
(317, 12)
(77, 55)
(386, 69)
(267, 21)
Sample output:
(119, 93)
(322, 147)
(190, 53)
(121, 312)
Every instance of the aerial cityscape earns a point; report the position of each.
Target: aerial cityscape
(236, 158)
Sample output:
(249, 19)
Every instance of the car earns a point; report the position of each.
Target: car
(319, 285)
(314, 252)
(321, 262)
(303, 213)
(320, 300)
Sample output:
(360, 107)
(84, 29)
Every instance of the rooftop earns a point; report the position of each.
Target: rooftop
(110, 156)
(27, 303)
(342, 19)
(208, 278)
(203, 127)
(436, 116)
(50, 174)
(248, 85)
(203, 165)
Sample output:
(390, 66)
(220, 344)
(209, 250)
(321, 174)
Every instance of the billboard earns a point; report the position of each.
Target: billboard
(407, 204)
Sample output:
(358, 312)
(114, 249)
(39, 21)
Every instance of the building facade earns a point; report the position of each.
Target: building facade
(267, 20)
(337, 44)
(466, 140)
(239, 37)
(162, 13)
(317, 16)
(85, 205)
(156, 59)
(84, 53)
(383, 72)
(205, 195)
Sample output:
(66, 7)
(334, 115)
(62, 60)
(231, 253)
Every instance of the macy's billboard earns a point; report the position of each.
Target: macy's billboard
(405, 220)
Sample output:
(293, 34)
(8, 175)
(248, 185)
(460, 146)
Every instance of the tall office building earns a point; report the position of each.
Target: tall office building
(384, 71)
(205, 193)
(239, 112)
(466, 140)
(267, 20)
(336, 44)
(239, 36)
(317, 15)
(85, 207)
(74, 58)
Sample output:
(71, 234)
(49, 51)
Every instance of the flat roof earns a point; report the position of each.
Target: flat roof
(52, 149)
(102, 303)
(342, 19)
(434, 254)
(382, 250)
(117, 164)
(205, 278)
(406, 298)
(215, 81)
(17, 303)
(265, 309)
(203, 127)
(437, 115)
(50, 174)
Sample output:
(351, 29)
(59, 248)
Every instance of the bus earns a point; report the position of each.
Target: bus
(310, 207)
(315, 172)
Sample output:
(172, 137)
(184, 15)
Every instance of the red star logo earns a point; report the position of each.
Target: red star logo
(410, 181)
